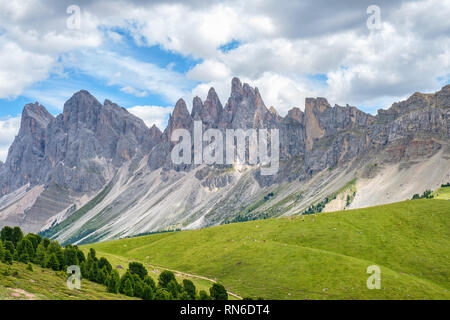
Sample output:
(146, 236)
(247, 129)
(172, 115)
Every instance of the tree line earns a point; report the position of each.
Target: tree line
(135, 282)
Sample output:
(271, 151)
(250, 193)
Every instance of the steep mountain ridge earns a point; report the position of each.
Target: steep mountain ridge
(93, 149)
(69, 156)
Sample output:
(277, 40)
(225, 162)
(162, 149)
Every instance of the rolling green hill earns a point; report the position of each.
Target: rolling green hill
(320, 256)
(442, 193)
(18, 283)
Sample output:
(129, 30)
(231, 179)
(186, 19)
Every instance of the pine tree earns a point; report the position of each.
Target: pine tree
(2, 251)
(25, 248)
(6, 234)
(53, 262)
(39, 257)
(189, 288)
(113, 282)
(24, 258)
(138, 268)
(128, 288)
(138, 289)
(103, 263)
(17, 235)
(203, 295)
(165, 277)
(148, 293)
(7, 258)
(162, 294)
(150, 282)
(125, 277)
(9, 246)
(174, 288)
(70, 256)
(218, 292)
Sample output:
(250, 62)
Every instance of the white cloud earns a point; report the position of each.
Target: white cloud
(9, 128)
(19, 69)
(209, 71)
(281, 44)
(363, 68)
(152, 115)
(133, 91)
(128, 73)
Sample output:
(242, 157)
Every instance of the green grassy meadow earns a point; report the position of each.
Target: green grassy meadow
(442, 193)
(319, 256)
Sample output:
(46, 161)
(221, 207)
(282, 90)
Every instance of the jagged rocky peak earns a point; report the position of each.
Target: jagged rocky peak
(180, 110)
(82, 107)
(274, 114)
(323, 120)
(316, 105)
(180, 118)
(314, 130)
(155, 133)
(245, 108)
(417, 101)
(213, 106)
(197, 107)
(114, 113)
(34, 119)
(236, 87)
(26, 154)
(443, 97)
(155, 128)
(296, 114)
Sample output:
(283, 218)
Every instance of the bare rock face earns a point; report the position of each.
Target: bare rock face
(84, 149)
(26, 158)
(89, 140)
(197, 107)
(78, 148)
(212, 110)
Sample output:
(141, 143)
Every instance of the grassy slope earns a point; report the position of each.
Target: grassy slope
(442, 193)
(321, 256)
(45, 284)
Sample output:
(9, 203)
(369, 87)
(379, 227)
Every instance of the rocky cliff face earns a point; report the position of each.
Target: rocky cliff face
(88, 141)
(101, 149)
(78, 152)
(26, 156)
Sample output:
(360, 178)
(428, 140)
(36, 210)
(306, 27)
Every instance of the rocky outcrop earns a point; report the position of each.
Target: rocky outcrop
(88, 141)
(77, 152)
(92, 145)
(26, 161)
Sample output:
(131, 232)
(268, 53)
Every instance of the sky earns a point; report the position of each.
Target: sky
(145, 55)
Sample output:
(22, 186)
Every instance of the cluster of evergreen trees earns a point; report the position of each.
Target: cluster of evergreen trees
(135, 282)
(14, 246)
(427, 194)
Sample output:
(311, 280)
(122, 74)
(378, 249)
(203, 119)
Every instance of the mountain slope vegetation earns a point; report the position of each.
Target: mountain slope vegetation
(318, 256)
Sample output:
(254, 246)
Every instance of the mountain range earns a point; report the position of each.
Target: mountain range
(97, 172)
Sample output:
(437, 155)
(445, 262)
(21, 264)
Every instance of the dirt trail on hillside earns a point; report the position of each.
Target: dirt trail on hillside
(192, 276)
